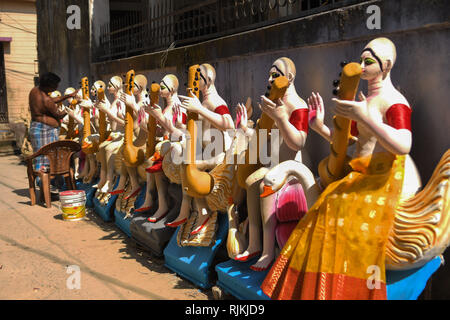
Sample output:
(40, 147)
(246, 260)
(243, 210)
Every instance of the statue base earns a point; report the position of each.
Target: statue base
(195, 263)
(89, 190)
(236, 278)
(106, 210)
(155, 236)
(409, 284)
(122, 206)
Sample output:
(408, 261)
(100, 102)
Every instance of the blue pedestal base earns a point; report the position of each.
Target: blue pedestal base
(105, 212)
(121, 223)
(237, 279)
(155, 236)
(124, 224)
(408, 285)
(89, 190)
(195, 263)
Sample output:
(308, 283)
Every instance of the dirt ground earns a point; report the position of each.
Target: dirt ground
(37, 246)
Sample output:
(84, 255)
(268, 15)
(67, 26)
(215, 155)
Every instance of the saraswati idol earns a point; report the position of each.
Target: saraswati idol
(369, 214)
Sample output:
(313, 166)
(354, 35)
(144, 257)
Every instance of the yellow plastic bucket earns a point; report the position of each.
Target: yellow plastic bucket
(73, 204)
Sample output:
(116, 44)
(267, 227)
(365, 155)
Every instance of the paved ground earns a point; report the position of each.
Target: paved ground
(37, 245)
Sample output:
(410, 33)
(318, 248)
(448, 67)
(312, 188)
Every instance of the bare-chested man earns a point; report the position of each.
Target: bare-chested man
(45, 115)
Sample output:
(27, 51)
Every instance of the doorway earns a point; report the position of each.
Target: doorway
(3, 99)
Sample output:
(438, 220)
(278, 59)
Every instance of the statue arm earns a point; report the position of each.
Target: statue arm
(322, 130)
(77, 117)
(157, 113)
(293, 126)
(394, 136)
(396, 141)
(294, 138)
(219, 121)
(111, 113)
(317, 115)
(220, 118)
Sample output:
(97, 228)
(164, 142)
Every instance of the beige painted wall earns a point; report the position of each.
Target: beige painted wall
(18, 21)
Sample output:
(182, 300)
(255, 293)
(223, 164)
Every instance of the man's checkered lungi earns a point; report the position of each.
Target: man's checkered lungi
(40, 135)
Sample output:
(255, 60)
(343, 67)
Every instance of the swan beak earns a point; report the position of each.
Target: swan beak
(267, 192)
(85, 145)
(156, 156)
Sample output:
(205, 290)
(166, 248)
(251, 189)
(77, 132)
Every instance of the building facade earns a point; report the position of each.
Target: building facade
(18, 36)
(18, 61)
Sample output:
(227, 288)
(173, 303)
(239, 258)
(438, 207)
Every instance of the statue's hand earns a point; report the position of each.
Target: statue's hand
(69, 112)
(128, 99)
(79, 95)
(150, 108)
(316, 110)
(241, 117)
(177, 115)
(192, 104)
(276, 111)
(354, 110)
(87, 103)
(103, 104)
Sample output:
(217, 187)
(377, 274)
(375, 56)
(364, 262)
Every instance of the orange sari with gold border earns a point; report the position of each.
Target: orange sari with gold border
(337, 250)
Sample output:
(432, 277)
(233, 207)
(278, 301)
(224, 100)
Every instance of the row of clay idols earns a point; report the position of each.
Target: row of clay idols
(212, 185)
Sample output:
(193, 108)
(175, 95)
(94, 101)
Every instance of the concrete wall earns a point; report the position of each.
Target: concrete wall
(317, 44)
(60, 50)
(100, 15)
(19, 23)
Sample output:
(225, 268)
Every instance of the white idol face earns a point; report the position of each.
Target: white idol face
(167, 86)
(55, 94)
(378, 58)
(68, 91)
(278, 69)
(370, 66)
(93, 91)
(202, 82)
(140, 84)
(114, 84)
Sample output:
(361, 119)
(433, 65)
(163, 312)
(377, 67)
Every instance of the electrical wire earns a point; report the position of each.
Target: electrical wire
(18, 22)
(11, 26)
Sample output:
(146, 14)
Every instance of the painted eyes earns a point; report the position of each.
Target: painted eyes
(368, 61)
(163, 87)
(275, 75)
